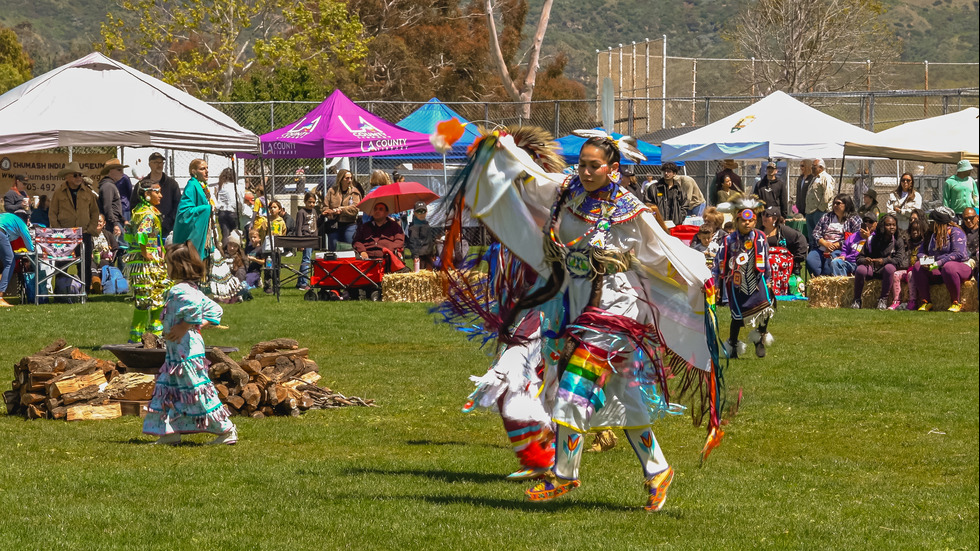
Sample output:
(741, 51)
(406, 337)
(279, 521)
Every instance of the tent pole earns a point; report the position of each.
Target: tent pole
(234, 187)
(840, 181)
(270, 195)
(445, 174)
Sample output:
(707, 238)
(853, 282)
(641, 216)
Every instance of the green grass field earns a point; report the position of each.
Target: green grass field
(858, 431)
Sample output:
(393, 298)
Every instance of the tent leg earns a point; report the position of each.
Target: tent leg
(840, 180)
(270, 195)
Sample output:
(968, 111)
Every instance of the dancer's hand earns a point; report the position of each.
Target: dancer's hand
(177, 332)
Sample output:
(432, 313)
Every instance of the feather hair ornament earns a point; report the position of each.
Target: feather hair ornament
(739, 203)
(627, 145)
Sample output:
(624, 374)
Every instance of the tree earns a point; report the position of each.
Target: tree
(16, 66)
(803, 45)
(525, 90)
(204, 46)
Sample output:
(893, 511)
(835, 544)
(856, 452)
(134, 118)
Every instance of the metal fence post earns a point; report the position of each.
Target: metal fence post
(871, 116)
(557, 119)
(707, 111)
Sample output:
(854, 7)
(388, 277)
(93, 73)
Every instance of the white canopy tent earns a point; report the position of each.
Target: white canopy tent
(96, 101)
(776, 126)
(947, 138)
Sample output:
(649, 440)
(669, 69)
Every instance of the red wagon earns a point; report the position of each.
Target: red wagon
(346, 278)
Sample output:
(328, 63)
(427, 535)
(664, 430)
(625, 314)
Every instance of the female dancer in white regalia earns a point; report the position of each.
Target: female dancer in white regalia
(633, 302)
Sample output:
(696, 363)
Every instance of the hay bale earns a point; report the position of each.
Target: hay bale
(422, 286)
(838, 292)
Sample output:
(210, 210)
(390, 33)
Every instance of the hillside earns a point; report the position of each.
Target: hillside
(56, 31)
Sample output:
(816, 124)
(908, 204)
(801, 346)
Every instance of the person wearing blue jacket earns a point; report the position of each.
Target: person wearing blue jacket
(12, 227)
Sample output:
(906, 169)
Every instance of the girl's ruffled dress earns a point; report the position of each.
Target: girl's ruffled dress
(184, 399)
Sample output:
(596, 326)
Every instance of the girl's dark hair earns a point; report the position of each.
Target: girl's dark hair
(277, 203)
(140, 191)
(898, 190)
(878, 238)
(227, 175)
(848, 204)
(184, 263)
(309, 195)
(608, 148)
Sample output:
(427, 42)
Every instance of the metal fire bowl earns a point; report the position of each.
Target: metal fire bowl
(148, 360)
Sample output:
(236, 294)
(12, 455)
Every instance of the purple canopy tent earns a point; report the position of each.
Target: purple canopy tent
(339, 128)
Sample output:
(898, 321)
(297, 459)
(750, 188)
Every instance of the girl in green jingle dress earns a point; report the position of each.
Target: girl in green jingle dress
(145, 268)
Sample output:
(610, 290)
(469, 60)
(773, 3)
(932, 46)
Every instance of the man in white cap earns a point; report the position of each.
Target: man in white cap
(819, 195)
(960, 189)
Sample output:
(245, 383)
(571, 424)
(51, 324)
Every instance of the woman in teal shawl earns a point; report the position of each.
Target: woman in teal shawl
(194, 220)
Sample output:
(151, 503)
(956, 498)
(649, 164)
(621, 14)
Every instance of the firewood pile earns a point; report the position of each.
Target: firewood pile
(275, 378)
(62, 382)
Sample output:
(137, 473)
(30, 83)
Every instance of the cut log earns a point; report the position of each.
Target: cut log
(275, 344)
(276, 394)
(28, 398)
(252, 395)
(35, 412)
(216, 355)
(39, 381)
(131, 387)
(268, 411)
(238, 376)
(150, 340)
(136, 408)
(52, 403)
(251, 367)
(11, 399)
(286, 367)
(218, 369)
(77, 354)
(236, 402)
(73, 367)
(257, 415)
(222, 392)
(270, 358)
(85, 412)
(55, 346)
(90, 394)
(71, 384)
(58, 413)
(306, 402)
(38, 364)
(309, 366)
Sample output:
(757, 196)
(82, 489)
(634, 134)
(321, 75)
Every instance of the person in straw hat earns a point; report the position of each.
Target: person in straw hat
(110, 201)
(75, 205)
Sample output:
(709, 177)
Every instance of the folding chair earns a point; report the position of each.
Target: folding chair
(58, 249)
(314, 242)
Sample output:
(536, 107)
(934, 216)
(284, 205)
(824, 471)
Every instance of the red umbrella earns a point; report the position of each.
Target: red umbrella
(399, 196)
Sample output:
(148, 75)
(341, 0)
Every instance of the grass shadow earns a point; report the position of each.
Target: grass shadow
(435, 443)
(522, 505)
(437, 474)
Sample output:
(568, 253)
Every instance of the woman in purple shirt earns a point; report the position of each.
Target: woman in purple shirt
(942, 258)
